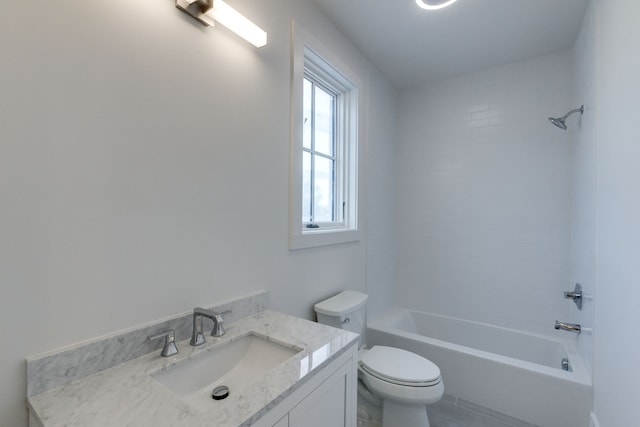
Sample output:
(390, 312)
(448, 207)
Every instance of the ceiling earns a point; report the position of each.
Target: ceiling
(413, 46)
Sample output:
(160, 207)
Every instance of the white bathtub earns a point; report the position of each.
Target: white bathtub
(509, 371)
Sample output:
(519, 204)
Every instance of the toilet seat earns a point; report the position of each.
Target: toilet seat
(400, 367)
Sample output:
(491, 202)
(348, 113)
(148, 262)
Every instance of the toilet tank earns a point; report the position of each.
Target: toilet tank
(347, 311)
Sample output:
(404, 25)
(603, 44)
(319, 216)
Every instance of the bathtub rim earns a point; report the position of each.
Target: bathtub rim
(578, 374)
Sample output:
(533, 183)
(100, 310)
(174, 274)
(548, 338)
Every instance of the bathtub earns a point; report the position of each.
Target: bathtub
(512, 372)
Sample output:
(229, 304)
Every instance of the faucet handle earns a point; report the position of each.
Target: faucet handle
(218, 324)
(576, 295)
(169, 348)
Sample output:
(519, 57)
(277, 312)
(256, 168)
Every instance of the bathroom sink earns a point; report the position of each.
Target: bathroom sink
(235, 365)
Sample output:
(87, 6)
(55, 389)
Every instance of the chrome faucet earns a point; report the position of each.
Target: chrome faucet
(571, 327)
(197, 337)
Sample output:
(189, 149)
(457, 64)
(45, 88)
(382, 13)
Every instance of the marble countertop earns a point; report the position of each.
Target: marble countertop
(127, 394)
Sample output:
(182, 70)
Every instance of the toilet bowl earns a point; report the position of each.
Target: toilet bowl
(402, 382)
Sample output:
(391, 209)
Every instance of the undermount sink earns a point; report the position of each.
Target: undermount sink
(235, 364)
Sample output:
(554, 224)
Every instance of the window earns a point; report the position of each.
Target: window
(320, 198)
(324, 155)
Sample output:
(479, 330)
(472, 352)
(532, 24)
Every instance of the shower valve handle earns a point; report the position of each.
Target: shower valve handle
(576, 296)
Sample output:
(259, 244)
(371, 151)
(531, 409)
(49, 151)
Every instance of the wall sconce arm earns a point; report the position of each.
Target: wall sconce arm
(197, 9)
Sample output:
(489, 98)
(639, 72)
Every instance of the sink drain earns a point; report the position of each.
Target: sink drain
(220, 392)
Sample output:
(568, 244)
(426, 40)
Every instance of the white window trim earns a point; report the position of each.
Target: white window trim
(305, 46)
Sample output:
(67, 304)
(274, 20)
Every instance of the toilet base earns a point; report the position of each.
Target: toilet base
(399, 414)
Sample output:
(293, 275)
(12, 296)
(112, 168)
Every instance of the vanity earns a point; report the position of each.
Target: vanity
(268, 369)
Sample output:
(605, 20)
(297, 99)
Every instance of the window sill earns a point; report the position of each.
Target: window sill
(316, 238)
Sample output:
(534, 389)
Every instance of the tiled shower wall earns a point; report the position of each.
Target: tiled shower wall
(484, 195)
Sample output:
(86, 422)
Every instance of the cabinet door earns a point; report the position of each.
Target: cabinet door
(329, 405)
(284, 422)
(33, 422)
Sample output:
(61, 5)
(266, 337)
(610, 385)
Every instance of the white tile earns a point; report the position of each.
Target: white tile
(484, 196)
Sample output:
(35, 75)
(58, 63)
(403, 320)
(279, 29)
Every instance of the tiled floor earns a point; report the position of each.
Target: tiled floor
(452, 412)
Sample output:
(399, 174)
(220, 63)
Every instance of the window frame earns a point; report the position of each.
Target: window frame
(310, 58)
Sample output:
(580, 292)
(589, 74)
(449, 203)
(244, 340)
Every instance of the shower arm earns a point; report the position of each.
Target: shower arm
(575, 110)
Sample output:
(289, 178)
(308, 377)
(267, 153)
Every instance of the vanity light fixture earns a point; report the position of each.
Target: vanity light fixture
(210, 11)
(434, 4)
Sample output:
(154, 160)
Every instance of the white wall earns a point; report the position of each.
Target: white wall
(381, 201)
(584, 181)
(484, 195)
(617, 348)
(144, 164)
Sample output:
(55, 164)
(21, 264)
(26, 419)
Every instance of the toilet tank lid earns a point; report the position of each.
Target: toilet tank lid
(341, 304)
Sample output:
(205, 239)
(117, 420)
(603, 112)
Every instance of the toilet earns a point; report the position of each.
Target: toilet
(399, 381)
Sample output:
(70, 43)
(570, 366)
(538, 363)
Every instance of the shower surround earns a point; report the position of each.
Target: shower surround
(484, 195)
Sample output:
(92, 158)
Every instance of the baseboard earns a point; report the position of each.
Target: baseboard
(593, 420)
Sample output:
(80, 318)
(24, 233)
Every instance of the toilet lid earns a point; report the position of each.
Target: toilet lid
(399, 365)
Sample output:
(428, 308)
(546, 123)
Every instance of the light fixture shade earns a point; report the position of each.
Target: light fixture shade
(233, 20)
(434, 4)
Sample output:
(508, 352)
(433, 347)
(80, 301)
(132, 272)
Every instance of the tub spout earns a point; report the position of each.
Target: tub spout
(571, 327)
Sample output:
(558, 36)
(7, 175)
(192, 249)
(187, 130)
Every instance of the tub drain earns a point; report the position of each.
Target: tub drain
(220, 392)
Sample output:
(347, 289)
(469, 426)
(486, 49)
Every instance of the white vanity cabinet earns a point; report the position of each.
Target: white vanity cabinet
(33, 422)
(284, 422)
(328, 405)
(327, 399)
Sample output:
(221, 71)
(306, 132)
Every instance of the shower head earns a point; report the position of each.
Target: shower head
(560, 121)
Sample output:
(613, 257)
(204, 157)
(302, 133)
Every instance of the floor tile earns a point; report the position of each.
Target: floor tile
(449, 412)
(446, 414)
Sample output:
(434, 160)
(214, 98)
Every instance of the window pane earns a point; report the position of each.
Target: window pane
(306, 114)
(323, 190)
(324, 113)
(306, 187)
